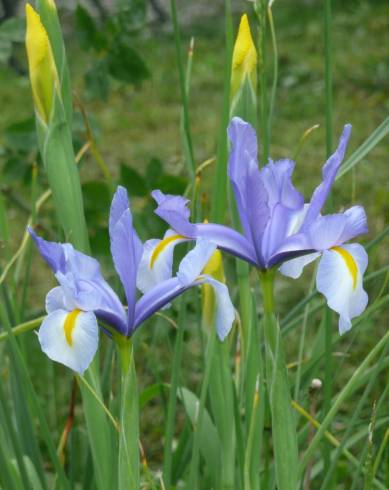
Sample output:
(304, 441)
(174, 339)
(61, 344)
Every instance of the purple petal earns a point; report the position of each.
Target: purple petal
(52, 252)
(174, 210)
(126, 250)
(229, 240)
(276, 231)
(277, 179)
(155, 299)
(329, 172)
(250, 193)
(119, 204)
(81, 281)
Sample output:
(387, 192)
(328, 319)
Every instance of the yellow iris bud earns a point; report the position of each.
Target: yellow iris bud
(43, 73)
(215, 269)
(244, 57)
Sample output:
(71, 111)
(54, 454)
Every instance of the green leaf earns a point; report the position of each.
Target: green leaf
(376, 136)
(89, 35)
(97, 80)
(21, 135)
(154, 171)
(209, 438)
(97, 200)
(283, 419)
(125, 64)
(171, 184)
(134, 182)
(13, 30)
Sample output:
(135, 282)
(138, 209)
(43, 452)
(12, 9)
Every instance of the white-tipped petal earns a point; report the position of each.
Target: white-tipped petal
(195, 261)
(70, 338)
(225, 312)
(157, 261)
(293, 268)
(340, 279)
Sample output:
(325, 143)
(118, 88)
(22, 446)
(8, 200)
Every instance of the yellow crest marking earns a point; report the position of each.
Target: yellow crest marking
(350, 262)
(70, 323)
(161, 247)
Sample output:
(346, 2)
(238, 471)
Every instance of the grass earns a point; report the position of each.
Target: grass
(137, 124)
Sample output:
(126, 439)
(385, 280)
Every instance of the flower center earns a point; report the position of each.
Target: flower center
(70, 323)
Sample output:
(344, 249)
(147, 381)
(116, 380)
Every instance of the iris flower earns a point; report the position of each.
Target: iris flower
(279, 230)
(69, 334)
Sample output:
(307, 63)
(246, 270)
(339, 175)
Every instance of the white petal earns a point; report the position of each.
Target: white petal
(340, 280)
(293, 268)
(157, 261)
(195, 261)
(225, 311)
(70, 340)
(55, 300)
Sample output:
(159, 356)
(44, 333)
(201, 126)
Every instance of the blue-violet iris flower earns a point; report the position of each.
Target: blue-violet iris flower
(279, 229)
(69, 334)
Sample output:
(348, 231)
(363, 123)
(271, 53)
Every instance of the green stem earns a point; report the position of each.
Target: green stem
(171, 409)
(283, 424)
(275, 65)
(220, 182)
(128, 470)
(261, 11)
(184, 95)
(22, 328)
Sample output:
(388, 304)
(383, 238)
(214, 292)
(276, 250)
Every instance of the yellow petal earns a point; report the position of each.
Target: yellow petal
(43, 75)
(244, 57)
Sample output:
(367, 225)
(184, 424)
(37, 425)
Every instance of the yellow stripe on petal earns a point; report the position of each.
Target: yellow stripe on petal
(43, 74)
(350, 263)
(214, 268)
(70, 323)
(162, 246)
(244, 57)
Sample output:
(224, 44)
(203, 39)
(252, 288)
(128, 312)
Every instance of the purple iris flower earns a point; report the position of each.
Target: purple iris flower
(278, 228)
(69, 334)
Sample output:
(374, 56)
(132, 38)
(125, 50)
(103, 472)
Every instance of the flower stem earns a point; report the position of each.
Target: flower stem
(282, 418)
(128, 470)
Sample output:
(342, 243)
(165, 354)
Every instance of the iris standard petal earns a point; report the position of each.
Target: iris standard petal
(70, 338)
(250, 193)
(126, 250)
(340, 280)
(329, 172)
(174, 210)
(277, 179)
(225, 312)
(156, 264)
(120, 203)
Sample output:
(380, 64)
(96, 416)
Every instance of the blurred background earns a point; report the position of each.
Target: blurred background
(126, 94)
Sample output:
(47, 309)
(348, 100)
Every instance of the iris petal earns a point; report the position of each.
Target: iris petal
(336, 281)
(71, 341)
